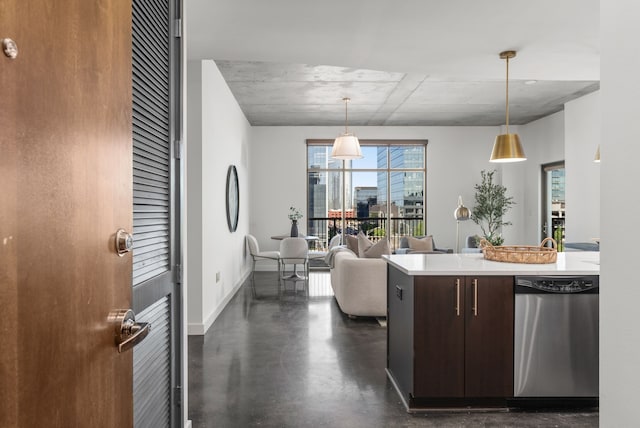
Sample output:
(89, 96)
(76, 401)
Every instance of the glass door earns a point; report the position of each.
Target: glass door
(553, 202)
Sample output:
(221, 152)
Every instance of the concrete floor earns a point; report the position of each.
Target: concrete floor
(293, 361)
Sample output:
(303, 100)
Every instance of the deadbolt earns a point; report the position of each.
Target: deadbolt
(124, 242)
(10, 48)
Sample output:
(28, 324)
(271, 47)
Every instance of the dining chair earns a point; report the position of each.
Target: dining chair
(317, 257)
(294, 251)
(257, 255)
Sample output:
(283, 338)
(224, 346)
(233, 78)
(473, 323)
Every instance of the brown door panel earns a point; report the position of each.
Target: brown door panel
(439, 337)
(489, 336)
(66, 124)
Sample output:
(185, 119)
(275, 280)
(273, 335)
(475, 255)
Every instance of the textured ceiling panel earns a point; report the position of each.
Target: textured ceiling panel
(299, 95)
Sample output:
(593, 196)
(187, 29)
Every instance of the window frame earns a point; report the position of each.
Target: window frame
(343, 170)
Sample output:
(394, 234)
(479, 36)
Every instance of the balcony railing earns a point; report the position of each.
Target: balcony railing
(375, 228)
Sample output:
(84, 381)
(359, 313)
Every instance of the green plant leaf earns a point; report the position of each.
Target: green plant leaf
(491, 204)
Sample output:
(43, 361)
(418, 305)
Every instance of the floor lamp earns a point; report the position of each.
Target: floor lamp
(461, 213)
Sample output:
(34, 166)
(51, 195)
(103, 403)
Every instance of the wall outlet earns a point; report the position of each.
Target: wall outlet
(217, 276)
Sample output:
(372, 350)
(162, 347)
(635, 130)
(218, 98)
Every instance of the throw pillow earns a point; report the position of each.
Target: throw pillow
(378, 249)
(352, 243)
(363, 244)
(423, 244)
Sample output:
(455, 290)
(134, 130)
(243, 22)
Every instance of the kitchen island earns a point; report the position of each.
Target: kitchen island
(450, 327)
(570, 263)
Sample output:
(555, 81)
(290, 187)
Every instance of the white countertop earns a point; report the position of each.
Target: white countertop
(567, 263)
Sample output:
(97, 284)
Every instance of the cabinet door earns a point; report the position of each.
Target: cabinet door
(439, 337)
(489, 336)
(400, 329)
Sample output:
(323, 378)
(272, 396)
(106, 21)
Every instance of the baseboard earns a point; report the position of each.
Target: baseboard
(200, 329)
(195, 329)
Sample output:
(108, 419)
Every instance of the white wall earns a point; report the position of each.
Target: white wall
(583, 119)
(571, 135)
(455, 157)
(218, 137)
(543, 142)
(619, 208)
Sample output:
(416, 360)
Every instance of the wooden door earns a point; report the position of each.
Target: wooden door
(439, 336)
(489, 336)
(65, 181)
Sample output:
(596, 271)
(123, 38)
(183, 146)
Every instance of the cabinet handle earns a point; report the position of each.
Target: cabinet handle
(475, 297)
(458, 297)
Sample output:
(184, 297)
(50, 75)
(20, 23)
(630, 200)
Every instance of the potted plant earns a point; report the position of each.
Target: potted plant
(492, 204)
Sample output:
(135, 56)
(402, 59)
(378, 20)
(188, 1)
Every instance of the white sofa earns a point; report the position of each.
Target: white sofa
(359, 284)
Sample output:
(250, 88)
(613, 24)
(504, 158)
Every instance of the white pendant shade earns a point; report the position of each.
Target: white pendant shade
(346, 147)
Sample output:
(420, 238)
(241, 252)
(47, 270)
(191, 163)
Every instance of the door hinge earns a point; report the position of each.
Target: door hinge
(177, 29)
(177, 149)
(179, 274)
(177, 391)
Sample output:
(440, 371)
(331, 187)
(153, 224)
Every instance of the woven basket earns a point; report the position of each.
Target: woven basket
(520, 253)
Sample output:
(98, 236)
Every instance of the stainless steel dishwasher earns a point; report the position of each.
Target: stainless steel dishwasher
(556, 336)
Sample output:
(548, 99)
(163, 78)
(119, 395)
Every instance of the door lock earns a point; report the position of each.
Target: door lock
(10, 48)
(124, 242)
(128, 332)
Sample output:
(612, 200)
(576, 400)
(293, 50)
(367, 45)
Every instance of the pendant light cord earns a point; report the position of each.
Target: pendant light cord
(507, 102)
(346, 115)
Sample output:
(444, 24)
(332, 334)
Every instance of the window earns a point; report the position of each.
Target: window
(381, 194)
(553, 202)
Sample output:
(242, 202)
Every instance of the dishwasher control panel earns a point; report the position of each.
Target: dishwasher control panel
(557, 284)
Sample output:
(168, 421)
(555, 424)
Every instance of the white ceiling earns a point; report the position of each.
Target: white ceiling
(402, 62)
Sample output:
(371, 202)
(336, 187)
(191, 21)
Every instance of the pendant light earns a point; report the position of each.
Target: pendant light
(597, 158)
(346, 146)
(507, 147)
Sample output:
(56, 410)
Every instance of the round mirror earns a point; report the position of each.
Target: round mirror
(233, 198)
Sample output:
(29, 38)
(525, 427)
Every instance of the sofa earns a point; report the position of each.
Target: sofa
(405, 248)
(359, 284)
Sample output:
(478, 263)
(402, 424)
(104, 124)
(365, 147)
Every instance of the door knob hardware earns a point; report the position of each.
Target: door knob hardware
(124, 242)
(10, 48)
(128, 332)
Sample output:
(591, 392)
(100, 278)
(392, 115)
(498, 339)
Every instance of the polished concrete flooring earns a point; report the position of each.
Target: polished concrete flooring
(290, 360)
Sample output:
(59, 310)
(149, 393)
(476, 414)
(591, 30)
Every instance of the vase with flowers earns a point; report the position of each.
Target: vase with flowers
(294, 216)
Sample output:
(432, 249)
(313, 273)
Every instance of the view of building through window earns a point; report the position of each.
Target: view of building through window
(553, 202)
(557, 204)
(383, 193)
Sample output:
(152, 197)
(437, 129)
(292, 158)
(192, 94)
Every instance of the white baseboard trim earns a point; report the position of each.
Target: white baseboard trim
(199, 329)
(195, 329)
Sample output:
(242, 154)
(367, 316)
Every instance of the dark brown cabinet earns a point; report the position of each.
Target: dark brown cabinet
(456, 337)
(489, 337)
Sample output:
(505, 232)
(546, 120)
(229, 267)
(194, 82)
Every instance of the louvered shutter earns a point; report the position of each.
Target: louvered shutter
(154, 288)
(151, 140)
(152, 380)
